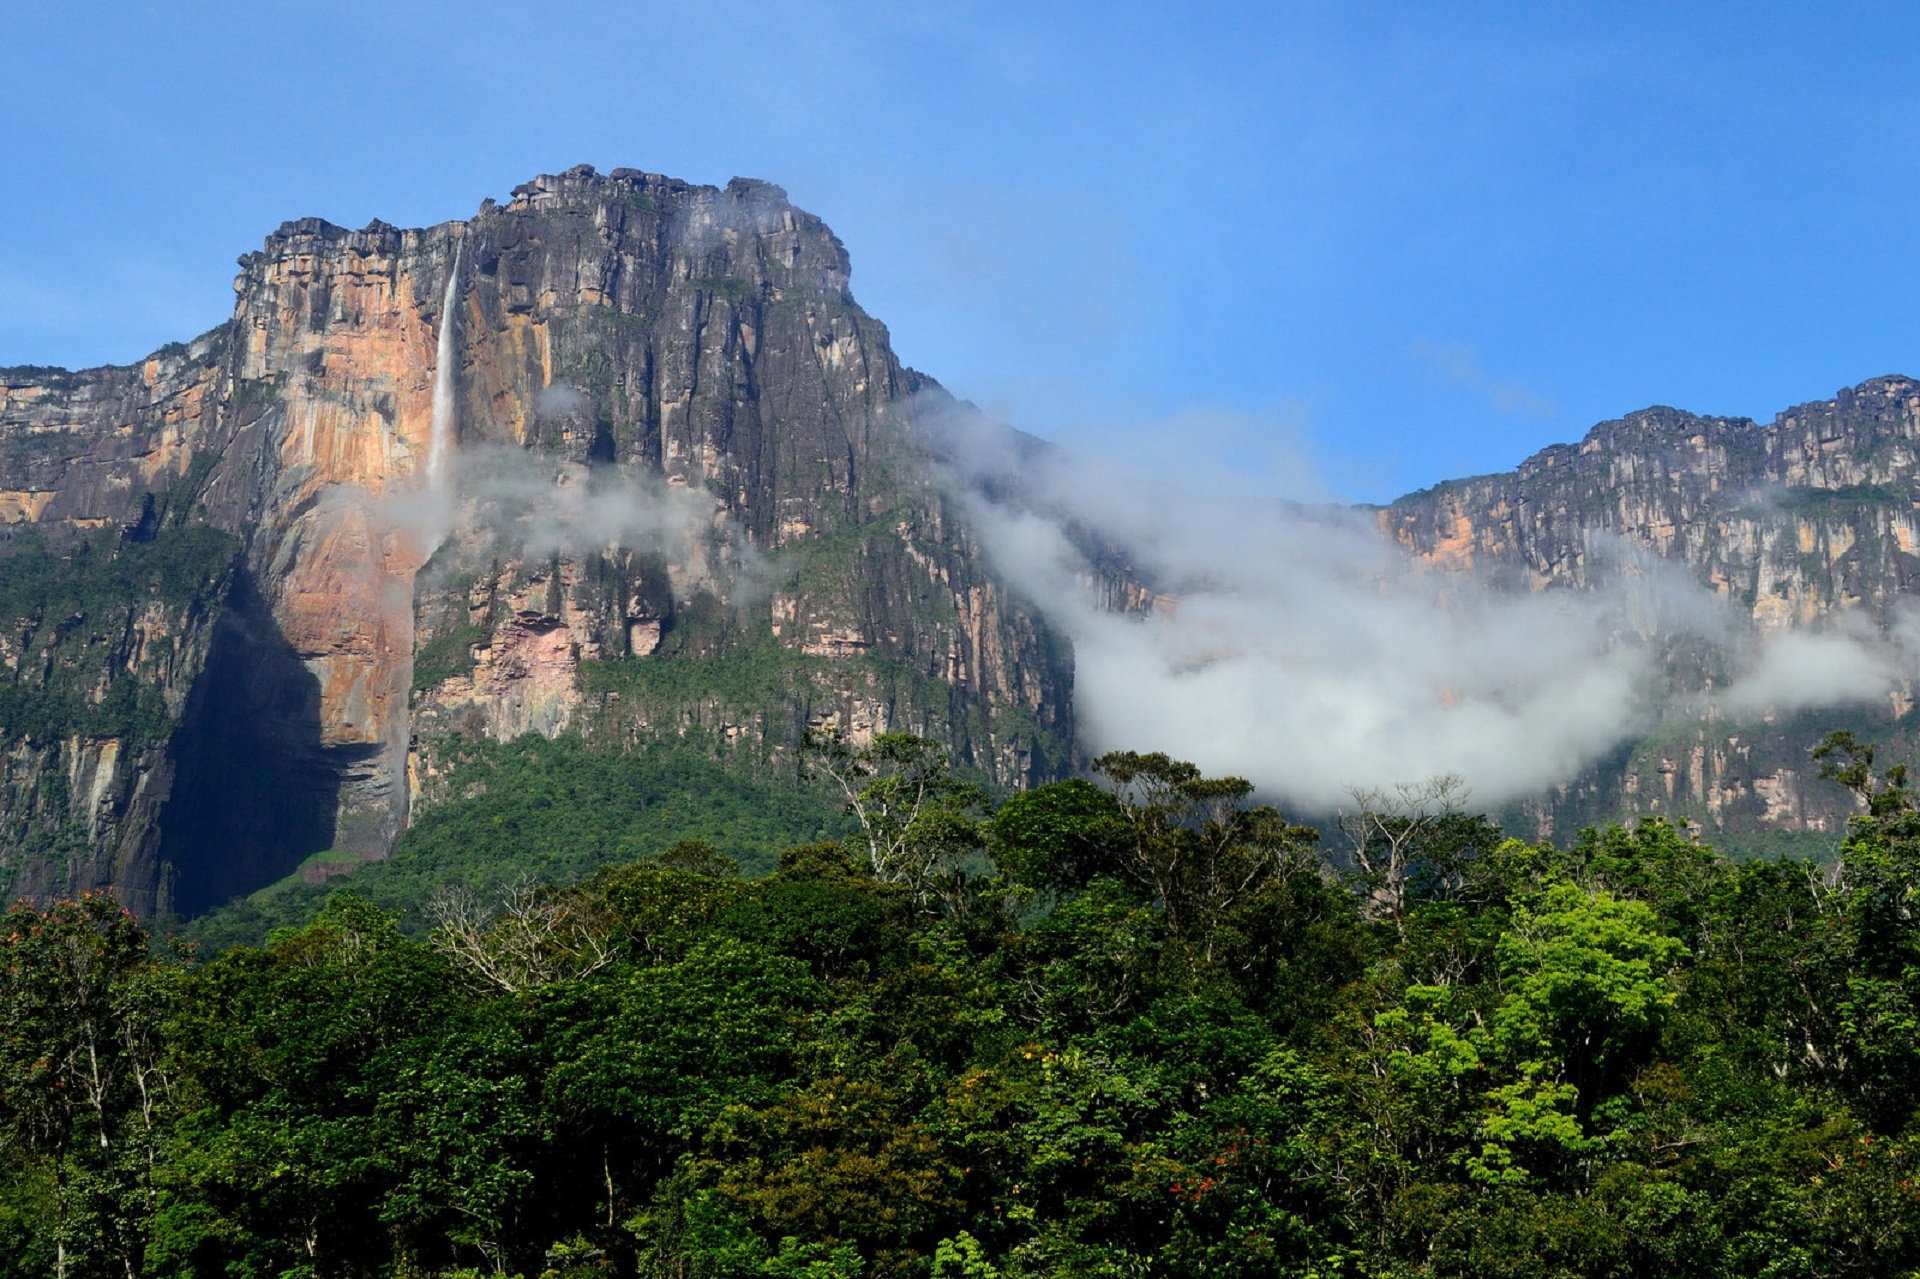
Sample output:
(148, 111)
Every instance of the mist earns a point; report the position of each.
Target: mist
(498, 499)
(1850, 663)
(1291, 643)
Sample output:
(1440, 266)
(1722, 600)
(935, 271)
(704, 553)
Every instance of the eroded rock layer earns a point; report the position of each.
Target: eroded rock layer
(673, 484)
(1808, 520)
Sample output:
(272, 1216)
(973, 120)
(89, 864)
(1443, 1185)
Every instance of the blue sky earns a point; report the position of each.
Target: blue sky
(1409, 241)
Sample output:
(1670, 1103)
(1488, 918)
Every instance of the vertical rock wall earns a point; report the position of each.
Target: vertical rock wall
(686, 361)
(1800, 523)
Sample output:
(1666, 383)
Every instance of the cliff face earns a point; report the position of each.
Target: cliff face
(666, 469)
(1792, 524)
(623, 457)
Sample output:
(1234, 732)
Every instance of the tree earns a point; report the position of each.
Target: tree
(280, 1161)
(1197, 845)
(471, 1118)
(1875, 892)
(1057, 839)
(538, 935)
(845, 1161)
(80, 1078)
(1585, 976)
(1396, 835)
(1847, 760)
(918, 822)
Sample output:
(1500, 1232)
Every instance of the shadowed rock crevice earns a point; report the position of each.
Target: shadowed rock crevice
(257, 790)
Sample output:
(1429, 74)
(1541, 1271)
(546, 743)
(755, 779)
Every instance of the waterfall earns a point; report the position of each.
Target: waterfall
(440, 445)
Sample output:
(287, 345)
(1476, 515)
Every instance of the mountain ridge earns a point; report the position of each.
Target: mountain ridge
(694, 498)
(1799, 523)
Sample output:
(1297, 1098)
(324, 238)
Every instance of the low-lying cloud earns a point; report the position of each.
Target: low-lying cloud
(1460, 364)
(533, 504)
(1851, 663)
(1296, 646)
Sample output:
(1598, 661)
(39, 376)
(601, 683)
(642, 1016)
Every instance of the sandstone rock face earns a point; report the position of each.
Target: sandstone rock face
(679, 469)
(1750, 509)
(1792, 524)
(623, 457)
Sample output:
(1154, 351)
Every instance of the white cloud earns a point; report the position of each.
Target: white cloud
(1849, 664)
(1301, 649)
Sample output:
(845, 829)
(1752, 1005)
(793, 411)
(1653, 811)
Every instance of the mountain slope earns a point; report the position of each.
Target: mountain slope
(620, 422)
(622, 459)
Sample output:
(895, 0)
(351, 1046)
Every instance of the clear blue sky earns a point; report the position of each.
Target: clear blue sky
(1421, 240)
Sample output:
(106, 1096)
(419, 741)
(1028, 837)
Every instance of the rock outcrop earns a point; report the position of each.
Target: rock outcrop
(673, 485)
(1792, 524)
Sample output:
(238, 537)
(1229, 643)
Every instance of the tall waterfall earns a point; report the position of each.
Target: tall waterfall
(440, 445)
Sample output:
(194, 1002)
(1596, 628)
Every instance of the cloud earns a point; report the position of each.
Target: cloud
(1851, 663)
(1460, 364)
(533, 504)
(746, 207)
(1294, 645)
(561, 400)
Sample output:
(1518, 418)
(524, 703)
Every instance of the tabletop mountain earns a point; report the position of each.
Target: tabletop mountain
(1801, 523)
(621, 456)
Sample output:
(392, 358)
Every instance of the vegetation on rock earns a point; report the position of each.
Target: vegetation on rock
(90, 629)
(551, 812)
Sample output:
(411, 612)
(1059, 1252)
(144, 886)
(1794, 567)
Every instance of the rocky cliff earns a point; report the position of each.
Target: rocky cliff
(1797, 523)
(621, 456)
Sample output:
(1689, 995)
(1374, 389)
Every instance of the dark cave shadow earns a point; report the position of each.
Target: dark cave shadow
(255, 789)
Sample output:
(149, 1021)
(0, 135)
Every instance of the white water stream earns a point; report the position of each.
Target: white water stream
(440, 443)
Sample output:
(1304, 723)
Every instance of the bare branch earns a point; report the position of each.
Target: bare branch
(537, 936)
(1386, 828)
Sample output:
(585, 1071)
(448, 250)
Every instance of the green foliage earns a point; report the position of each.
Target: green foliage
(962, 1257)
(253, 394)
(79, 1053)
(917, 822)
(534, 810)
(1057, 838)
(71, 618)
(1158, 1034)
(1847, 760)
(1584, 976)
(1197, 845)
(177, 505)
(1847, 499)
(51, 376)
(730, 287)
(445, 656)
(760, 675)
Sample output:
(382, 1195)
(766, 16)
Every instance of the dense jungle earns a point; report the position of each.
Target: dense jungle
(1135, 1025)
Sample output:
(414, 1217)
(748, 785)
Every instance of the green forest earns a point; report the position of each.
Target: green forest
(1133, 1025)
